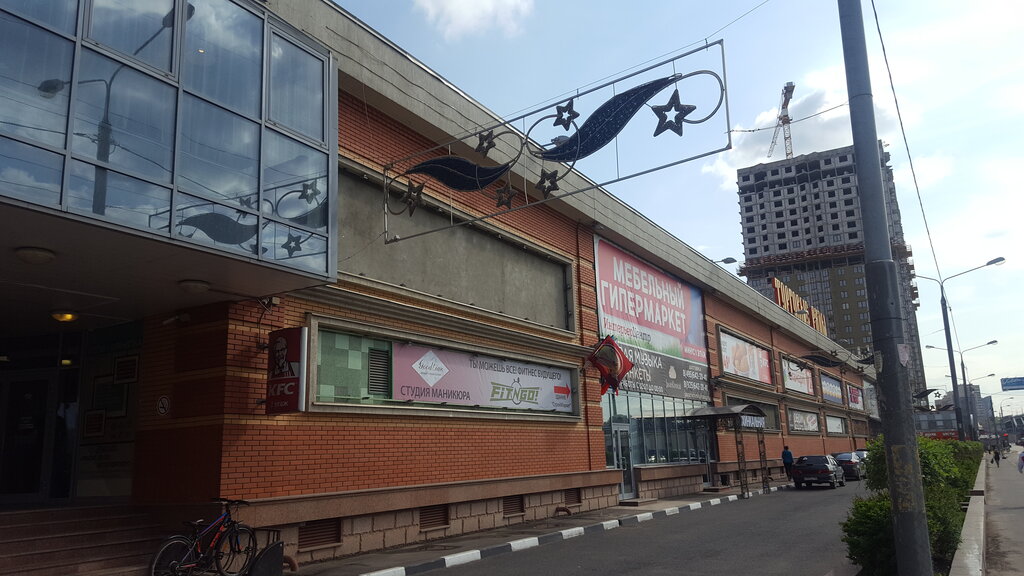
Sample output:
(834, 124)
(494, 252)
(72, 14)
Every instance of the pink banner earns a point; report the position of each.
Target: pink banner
(644, 307)
(445, 376)
(856, 398)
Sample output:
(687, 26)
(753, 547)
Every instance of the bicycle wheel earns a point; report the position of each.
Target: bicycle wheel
(235, 550)
(173, 553)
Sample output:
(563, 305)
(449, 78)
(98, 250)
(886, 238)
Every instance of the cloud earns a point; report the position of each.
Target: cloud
(458, 18)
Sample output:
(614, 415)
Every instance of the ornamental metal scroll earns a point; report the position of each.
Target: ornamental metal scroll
(485, 161)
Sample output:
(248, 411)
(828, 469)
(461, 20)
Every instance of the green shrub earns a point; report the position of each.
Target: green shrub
(867, 533)
(948, 470)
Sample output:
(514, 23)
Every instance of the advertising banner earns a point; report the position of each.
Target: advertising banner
(1012, 384)
(831, 389)
(449, 377)
(835, 425)
(286, 371)
(657, 320)
(742, 358)
(800, 421)
(856, 397)
(796, 377)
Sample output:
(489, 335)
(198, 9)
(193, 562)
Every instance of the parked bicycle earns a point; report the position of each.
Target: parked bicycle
(224, 544)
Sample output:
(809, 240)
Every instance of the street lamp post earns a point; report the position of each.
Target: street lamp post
(968, 395)
(949, 337)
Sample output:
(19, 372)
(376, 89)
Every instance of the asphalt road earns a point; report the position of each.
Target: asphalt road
(784, 533)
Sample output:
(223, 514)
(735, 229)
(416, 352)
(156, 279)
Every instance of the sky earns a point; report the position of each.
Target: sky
(958, 78)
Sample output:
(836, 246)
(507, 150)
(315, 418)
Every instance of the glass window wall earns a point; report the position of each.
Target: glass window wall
(659, 431)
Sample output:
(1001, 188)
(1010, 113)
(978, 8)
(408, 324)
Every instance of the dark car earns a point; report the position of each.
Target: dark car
(817, 469)
(853, 466)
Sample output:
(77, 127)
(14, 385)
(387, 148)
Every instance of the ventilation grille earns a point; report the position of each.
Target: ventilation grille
(513, 505)
(380, 373)
(319, 533)
(573, 496)
(433, 517)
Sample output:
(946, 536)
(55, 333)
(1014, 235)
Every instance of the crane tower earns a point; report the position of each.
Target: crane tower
(783, 123)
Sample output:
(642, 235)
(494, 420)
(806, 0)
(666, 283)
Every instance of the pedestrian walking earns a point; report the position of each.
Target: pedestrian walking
(996, 456)
(787, 462)
(1020, 463)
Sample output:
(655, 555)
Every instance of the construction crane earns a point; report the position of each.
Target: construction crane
(787, 95)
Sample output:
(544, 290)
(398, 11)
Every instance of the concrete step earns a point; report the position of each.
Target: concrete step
(62, 525)
(81, 558)
(58, 538)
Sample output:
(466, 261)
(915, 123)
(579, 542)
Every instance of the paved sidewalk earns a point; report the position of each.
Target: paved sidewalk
(1004, 513)
(443, 553)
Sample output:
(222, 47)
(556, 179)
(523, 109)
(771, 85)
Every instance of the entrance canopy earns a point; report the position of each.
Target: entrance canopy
(748, 415)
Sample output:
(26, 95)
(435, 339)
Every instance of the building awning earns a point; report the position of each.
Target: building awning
(712, 412)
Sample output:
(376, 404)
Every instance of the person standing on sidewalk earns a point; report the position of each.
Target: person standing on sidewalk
(1020, 463)
(787, 462)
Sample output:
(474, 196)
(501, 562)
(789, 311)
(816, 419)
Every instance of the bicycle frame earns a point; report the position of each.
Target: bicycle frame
(203, 558)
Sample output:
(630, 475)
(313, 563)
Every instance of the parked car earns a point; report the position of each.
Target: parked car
(853, 466)
(817, 469)
(862, 454)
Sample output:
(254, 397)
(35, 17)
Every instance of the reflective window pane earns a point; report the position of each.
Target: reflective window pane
(60, 14)
(124, 117)
(29, 173)
(296, 88)
(216, 225)
(144, 30)
(219, 154)
(33, 81)
(295, 183)
(119, 198)
(223, 55)
(294, 247)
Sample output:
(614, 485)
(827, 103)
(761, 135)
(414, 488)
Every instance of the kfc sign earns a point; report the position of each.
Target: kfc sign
(286, 372)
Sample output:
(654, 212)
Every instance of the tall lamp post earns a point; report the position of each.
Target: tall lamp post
(1002, 422)
(969, 397)
(975, 415)
(949, 337)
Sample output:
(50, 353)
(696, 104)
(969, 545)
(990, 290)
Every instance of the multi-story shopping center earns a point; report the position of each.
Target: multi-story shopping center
(235, 263)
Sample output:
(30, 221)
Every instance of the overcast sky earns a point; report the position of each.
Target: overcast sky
(958, 72)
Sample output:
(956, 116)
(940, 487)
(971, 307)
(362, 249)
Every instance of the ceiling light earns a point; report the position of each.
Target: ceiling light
(64, 315)
(34, 255)
(194, 286)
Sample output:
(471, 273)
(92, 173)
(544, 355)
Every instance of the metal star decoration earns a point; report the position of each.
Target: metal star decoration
(413, 197)
(293, 245)
(486, 142)
(548, 182)
(565, 115)
(309, 192)
(676, 123)
(505, 195)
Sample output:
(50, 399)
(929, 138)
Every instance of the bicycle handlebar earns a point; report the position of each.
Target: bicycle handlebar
(231, 502)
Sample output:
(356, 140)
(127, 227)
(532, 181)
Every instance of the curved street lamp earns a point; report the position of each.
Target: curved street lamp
(949, 337)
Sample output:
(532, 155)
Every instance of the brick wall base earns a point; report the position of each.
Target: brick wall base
(398, 528)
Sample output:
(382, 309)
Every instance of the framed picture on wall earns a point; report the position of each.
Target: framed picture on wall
(110, 395)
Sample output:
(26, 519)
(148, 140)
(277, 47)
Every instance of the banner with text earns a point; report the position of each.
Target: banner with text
(856, 397)
(445, 376)
(742, 358)
(796, 377)
(657, 320)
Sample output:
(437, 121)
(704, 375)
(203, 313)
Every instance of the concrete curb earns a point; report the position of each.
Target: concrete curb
(468, 556)
(969, 559)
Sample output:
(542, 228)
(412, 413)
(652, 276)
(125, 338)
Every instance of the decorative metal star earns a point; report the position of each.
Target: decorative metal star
(293, 245)
(505, 195)
(565, 115)
(309, 192)
(548, 182)
(486, 142)
(246, 201)
(676, 123)
(413, 197)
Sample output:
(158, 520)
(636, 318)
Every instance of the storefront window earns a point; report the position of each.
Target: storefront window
(659, 431)
(346, 368)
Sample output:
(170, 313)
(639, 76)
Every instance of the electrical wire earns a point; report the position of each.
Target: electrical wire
(772, 127)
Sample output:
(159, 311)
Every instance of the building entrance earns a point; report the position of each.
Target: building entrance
(28, 436)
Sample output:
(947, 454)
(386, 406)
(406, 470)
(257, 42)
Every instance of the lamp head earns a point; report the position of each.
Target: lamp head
(995, 261)
(50, 88)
